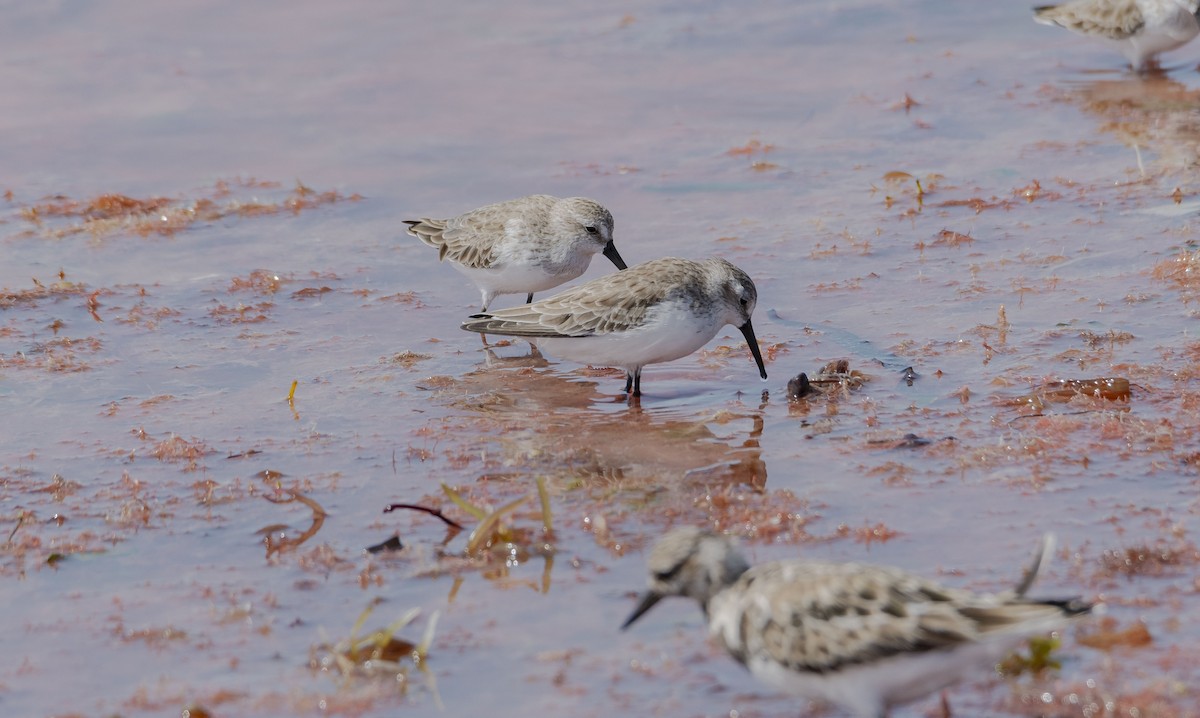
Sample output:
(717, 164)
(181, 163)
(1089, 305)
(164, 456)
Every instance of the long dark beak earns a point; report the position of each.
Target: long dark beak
(748, 332)
(610, 251)
(648, 600)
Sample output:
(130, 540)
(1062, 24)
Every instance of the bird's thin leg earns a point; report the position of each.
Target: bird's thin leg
(637, 383)
(946, 706)
(529, 298)
(487, 299)
(628, 382)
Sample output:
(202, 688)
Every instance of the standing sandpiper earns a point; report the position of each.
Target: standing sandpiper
(1139, 29)
(523, 245)
(658, 311)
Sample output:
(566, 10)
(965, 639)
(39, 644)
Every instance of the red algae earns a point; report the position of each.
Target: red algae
(113, 214)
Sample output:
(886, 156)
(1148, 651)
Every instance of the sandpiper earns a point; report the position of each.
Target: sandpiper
(867, 638)
(523, 245)
(1139, 29)
(658, 311)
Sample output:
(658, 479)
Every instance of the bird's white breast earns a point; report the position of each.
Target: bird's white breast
(669, 331)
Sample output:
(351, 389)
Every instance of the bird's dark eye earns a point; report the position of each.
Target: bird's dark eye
(592, 230)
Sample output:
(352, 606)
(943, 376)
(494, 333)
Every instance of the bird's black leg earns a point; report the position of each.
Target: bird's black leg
(529, 299)
(628, 382)
(637, 383)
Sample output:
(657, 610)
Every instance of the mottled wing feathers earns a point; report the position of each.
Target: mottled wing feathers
(471, 244)
(532, 326)
(470, 239)
(821, 617)
(613, 303)
(1113, 19)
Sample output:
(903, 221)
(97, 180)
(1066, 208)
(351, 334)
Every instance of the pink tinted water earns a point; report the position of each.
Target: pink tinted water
(765, 134)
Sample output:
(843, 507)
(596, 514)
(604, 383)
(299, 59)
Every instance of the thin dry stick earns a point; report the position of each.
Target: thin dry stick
(415, 507)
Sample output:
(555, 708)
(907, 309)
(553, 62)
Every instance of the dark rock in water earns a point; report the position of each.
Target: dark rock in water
(912, 441)
(392, 544)
(799, 386)
(908, 441)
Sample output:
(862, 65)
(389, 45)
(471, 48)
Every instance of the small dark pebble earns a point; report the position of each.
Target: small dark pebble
(908, 441)
(392, 544)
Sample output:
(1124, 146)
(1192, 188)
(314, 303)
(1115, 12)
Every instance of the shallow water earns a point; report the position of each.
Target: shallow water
(151, 566)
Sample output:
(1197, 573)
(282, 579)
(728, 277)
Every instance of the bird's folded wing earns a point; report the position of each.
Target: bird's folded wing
(840, 615)
(613, 303)
(1120, 19)
(467, 240)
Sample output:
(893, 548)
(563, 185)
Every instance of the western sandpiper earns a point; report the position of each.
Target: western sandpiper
(1139, 29)
(867, 638)
(658, 311)
(523, 245)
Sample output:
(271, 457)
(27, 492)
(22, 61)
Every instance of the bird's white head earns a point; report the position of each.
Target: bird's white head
(739, 297)
(589, 223)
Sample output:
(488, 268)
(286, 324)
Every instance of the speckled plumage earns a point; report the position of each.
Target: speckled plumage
(1139, 29)
(524, 245)
(865, 637)
(658, 311)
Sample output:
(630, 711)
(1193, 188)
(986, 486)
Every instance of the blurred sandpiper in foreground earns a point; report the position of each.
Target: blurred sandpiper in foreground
(867, 638)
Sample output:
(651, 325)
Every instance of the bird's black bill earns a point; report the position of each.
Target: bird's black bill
(648, 600)
(610, 251)
(748, 332)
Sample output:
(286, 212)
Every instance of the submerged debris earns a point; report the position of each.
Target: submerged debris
(1065, 390)
(1040, 658)
(908, 441)
(276, 537)
(380, 654)
(494, 533)
(40, 291)
(1108, 636)
(834, 376)
(114, 214)
(1158, 559)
